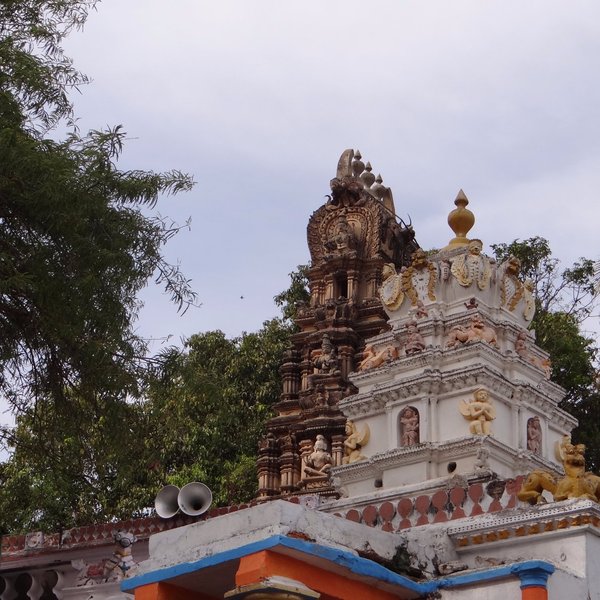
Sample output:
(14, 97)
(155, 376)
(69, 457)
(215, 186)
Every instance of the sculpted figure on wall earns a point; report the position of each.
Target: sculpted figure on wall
(577, 482)
(121, 563)
(419, 279)
(343, 240)
(477, 331)
(522, 349)
(327, 362)
(534, 435)
(319, 461)
(409, 426)
(373, 358)
(414, 340)
(479, 411)
(472, 266)
(354, 443)
(511, 287)
(391, 293)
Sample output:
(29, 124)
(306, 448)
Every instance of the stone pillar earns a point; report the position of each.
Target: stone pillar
(337, 449)
(288, 465)
(306, 447)
(267, 466)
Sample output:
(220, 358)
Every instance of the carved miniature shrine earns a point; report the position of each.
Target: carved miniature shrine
(350, 239)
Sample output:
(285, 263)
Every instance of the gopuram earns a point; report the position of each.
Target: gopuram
(351, 238)
(418, 450)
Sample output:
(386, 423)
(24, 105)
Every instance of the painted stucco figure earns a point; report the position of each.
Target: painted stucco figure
(355, 442)
(479, 411)
(472, 266)
(409, 426)
(577, 482)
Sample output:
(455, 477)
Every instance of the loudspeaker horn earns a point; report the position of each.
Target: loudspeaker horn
(194, 499)
(165, 503)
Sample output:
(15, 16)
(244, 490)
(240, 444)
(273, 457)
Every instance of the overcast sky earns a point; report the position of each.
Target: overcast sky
(257, 99)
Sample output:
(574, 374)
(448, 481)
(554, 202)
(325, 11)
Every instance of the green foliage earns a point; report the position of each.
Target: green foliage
(209, 405)
(564, 299)
(36, 76)
(297, 294)
(77, 244)
(76, 466)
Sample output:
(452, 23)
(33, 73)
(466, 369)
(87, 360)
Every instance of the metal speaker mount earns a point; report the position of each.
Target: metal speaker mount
(193, 499)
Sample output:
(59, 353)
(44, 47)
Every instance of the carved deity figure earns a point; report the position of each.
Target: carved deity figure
(319, 461)
(479, 411)
(327, 362)
(409, 426)
(472, 266)
(354, 443)
(534, 435)
(121, 563)
(419, 279)
(343, 239)
(414, 340)
(511, 287)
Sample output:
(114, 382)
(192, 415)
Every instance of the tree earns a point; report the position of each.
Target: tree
(296, 295)
(76, 241)
(564, 299)
(209, 406)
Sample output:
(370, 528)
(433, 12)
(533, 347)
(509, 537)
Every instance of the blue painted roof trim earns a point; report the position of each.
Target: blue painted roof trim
(348, 560)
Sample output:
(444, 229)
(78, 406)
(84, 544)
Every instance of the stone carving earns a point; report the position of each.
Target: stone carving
(391, 293)
(477, 331)
(529, 299)
(479, 411)
(419, 279)
(319, 461)
(534, 435)
(116, 568)
(482, 458)
(577, 482)
(414, 340)
(472, 266)
(373, 358)
(522, 349)
(343, 240)
(354, 443)
(511, 287)
(409, 426)
(121, 563)
(327, 361)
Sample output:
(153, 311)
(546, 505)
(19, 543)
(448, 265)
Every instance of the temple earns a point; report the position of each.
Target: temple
(418, 450)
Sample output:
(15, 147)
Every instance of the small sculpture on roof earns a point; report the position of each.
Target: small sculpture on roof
(472, 267)
(577, 482)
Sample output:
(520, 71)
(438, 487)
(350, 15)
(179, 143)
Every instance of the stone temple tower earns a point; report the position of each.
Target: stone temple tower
(350, 239)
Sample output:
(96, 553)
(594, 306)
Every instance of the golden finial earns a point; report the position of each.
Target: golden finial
(461, 220)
